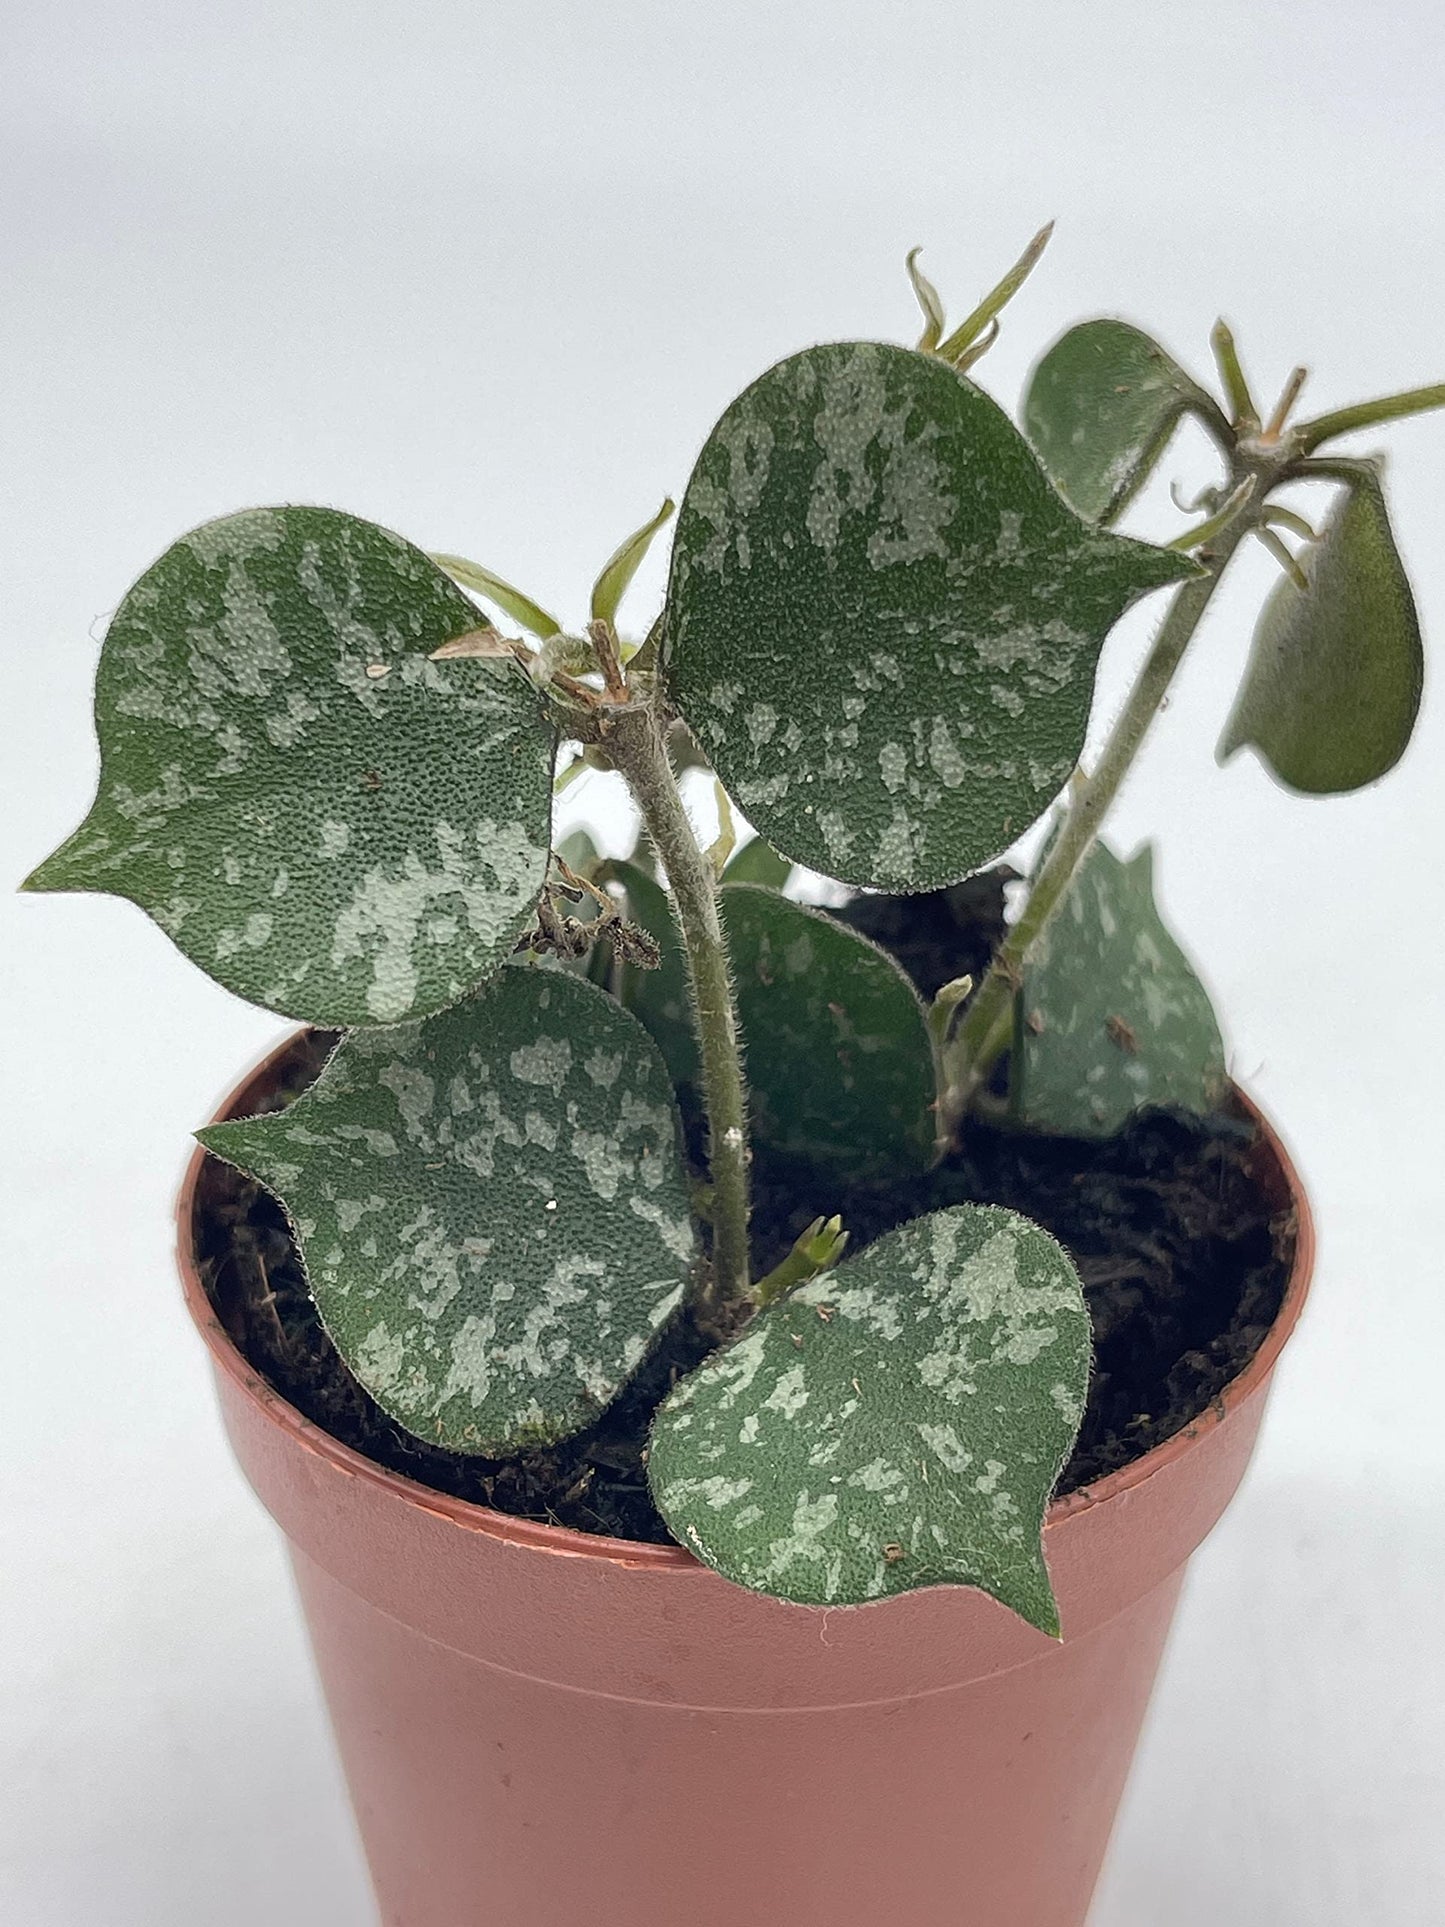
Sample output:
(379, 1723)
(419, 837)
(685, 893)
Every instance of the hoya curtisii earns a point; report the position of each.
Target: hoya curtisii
(328, 770)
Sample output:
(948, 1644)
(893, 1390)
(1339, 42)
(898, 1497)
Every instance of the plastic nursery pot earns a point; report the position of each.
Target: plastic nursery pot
(542, 1729)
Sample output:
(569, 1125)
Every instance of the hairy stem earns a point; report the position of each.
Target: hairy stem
(986, 1029)
(638, 748)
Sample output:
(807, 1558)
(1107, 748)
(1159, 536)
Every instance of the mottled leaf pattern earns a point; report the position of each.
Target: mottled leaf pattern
(327, 822)
(1111, 1018)
(840, 1068)
(1100, 408)
(1333, 686)
(491, 1207)
(896, 1423)
(883, 623)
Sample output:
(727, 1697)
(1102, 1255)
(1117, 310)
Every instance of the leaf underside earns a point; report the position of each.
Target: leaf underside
(899, 1422)
(1334, 680)
(1111, 1018)
(1100, 409)
(883, 622)
(839, 1063)
(329, 824)
(491, 1207)
(758, 862)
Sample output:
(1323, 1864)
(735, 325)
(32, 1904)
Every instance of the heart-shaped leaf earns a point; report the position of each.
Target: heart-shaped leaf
(327, 822)
(491, 1207)
(838, 1059)
(1111, 1018)
(1333, 685)
(840, 1068)
(882, 621)
(1100, 408)
(896, 1423)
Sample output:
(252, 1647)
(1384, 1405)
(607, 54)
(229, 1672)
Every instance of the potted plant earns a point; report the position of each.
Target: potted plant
(661, 1560)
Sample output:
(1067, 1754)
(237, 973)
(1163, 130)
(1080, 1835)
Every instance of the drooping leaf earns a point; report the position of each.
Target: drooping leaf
(1333, 686)
(839, 1065)
(758, 862)
(899, 1422)
(327, 822)
(491, 1207)
(1111, 1018)
(1100, 408)
(883, 623)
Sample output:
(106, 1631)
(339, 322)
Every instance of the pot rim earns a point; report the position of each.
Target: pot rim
(565, 1541)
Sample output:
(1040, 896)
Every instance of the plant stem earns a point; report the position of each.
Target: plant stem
(638, 748)
(1366, 414)
(987, 1024)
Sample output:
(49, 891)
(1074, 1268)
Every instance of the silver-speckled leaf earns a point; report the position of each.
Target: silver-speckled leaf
(839, 1064)
(491, 1207)
(896, 1423)
(882, 620)
(1333, 686)
(1100, 408)
(1111, 1018)
(328, 823)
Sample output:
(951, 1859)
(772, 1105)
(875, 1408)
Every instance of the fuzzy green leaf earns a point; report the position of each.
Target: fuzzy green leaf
(327, 822)
(758, 862)
(1100, 408)
(839, 1064)
(491, 1207)
(883, 623)
(1111, 1018)
(1333, 686)
(899, 1422)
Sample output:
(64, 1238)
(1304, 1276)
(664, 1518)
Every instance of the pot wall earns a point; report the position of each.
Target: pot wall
(542, 1729)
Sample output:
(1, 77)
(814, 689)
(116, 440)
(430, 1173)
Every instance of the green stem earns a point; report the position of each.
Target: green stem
(1366, 414)
(637, 746)
(1231, 374)
(987, 1025)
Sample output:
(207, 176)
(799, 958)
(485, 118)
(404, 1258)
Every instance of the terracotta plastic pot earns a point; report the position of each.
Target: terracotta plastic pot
(543, 1729)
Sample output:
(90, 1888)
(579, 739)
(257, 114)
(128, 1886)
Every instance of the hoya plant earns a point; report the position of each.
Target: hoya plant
(329, 764)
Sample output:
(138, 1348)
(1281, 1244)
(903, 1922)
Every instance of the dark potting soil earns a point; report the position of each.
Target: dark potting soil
(1183, 1253)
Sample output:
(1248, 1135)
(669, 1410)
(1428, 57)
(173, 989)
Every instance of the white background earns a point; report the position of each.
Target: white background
(487, 272)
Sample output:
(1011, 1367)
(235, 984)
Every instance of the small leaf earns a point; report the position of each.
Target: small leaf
(899, 1422)
(1100, 408)
(929, 300)
(758, 862)
(883, 623)
(491, 1207)
(838, 1059)
(1333, 686)
(1111, 1017)
(326, 821)
(617, 575)
(482, 582)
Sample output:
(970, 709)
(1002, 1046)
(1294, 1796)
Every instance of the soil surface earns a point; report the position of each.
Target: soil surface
(1183, 1255)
